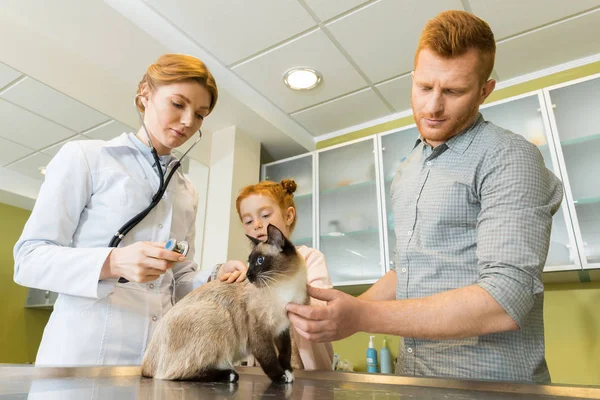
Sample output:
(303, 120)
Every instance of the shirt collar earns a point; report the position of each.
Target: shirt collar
(131, 140)
(461, 142)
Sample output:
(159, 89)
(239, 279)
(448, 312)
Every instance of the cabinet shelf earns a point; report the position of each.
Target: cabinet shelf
(580, 140)
(306, 241)
(348, 187)
(341, 235)
(587, 200)
(303, 196)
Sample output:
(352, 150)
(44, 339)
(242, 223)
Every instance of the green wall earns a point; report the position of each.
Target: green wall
(572, 311)
(21, 329)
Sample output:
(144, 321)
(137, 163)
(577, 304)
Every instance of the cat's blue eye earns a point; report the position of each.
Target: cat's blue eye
(260, 260)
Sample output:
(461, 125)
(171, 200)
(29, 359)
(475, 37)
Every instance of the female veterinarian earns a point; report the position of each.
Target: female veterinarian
(129, 185)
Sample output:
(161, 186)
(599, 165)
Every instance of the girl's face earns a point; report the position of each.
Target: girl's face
(173, 113)
(258, 211)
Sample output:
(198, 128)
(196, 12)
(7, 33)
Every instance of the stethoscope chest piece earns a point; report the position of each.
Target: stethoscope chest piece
(179, 247)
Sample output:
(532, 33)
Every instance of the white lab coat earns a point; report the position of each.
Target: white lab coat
(91, 189)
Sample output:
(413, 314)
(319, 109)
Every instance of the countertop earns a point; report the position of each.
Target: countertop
(120, 383)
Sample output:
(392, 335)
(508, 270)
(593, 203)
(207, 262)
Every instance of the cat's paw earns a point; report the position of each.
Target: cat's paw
(287, 377)
(233, 377)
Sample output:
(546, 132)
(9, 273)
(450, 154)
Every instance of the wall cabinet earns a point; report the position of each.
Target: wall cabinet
(343, 192)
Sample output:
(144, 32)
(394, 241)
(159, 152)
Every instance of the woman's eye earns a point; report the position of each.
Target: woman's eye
(260, 260)
(200, 117)
(176, 105)
(266, 215)
(247, 222)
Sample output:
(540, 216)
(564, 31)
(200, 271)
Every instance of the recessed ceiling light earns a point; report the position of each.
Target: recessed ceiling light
(301, 78)
(42, 170)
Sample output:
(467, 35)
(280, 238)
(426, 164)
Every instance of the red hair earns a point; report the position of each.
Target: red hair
(282, 193)
(453, 33)
(173, 68)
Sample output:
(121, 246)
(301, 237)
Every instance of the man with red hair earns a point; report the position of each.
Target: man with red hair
(473, 206)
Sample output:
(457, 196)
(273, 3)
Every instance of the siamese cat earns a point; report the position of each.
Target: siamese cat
(218, 324)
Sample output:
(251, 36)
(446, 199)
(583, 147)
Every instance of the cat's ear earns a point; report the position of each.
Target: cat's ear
(254, 241)
(276, 238)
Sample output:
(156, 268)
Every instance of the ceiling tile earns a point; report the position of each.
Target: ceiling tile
(313, 50)
(327, 9)
(7, 75)
(342, 113)
(12, 151)
(108, 131)
(382, 37)
(553, 45)
(235, 29)
(28, 129)
(397, 92)
(52, 150)
(509, 17)
(49, 103)
(30, 166)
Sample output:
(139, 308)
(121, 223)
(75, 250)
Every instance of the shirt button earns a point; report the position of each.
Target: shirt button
(403, 269)
(154, 319)
(409, 233)
(428, 163)
(160, 226)
(151, 286)
(409, 349)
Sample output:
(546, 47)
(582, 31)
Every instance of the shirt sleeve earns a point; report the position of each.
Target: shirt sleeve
(518, 197)
(186, 274)
(44, 258)
(315, 356)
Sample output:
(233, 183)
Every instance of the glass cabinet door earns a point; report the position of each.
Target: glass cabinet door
(576, 111)
(349, 213)
(524, 117)
(300, 170)
(394, 149)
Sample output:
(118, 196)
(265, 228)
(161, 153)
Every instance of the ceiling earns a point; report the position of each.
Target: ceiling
(363, 49)
(71, 68)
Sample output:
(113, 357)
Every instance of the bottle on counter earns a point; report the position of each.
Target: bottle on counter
(371, 357)
(385, 358)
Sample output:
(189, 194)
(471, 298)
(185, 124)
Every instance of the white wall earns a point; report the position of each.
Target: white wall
(246, 171)
(234, 163)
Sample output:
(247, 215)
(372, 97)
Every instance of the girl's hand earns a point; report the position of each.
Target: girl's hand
(232, 271)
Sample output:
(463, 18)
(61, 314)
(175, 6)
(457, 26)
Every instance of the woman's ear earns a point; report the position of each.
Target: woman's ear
(290, 216)
(144, 93)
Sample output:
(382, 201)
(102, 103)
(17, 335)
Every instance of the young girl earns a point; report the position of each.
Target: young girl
(273, 203)
(93, 187)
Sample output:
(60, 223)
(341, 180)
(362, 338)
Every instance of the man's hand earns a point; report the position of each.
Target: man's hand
(139, 262)
(232, 271)
(338, 319)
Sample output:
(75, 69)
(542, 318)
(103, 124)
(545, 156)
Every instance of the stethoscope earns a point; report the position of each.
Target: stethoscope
(180, 247)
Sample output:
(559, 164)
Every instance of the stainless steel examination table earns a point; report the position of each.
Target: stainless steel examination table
(121, 383)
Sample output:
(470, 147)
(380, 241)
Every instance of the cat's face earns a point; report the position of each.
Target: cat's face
(272, 261)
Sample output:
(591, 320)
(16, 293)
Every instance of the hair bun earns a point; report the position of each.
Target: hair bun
(289, 185)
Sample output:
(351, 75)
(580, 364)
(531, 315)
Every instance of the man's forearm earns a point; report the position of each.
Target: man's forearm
(455, 314)
(383, 289)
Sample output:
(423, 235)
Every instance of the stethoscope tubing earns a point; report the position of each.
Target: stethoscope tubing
(162, 188)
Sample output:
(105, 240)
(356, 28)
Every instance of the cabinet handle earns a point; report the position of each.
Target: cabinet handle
(383, 149)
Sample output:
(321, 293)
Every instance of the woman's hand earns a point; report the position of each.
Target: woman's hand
(139, 262)
(232, 271)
